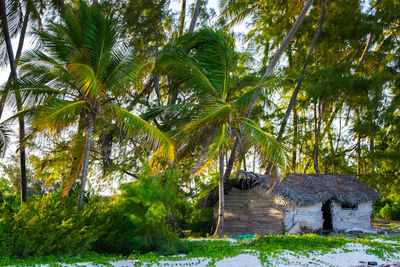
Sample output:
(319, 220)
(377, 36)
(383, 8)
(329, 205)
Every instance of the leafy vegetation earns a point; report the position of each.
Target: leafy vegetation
(265, 248)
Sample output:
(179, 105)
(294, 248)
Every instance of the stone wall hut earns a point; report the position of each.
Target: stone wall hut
(253, 205)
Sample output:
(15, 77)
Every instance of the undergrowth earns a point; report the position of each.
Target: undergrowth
(263, 247)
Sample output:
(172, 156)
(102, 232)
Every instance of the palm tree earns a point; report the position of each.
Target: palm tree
(16, 17)
(205, 63)
(239, 14)
(79, 79)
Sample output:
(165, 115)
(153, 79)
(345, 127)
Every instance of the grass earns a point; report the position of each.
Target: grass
(264, 247)
(57, 260)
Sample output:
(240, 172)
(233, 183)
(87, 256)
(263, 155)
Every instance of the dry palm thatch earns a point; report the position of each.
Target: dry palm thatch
(301, 189)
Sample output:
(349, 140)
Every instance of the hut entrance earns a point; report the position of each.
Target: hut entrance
(327, 215)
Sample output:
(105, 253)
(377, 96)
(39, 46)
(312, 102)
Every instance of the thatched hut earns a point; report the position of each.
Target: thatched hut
(254, 204)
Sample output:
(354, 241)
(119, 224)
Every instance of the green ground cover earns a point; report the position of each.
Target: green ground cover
(264, 247)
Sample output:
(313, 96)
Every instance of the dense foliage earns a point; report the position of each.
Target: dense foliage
(137, 220)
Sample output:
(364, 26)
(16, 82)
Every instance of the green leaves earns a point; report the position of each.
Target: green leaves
(57, 114)
(152, 137)
(217, 115)
(5, 133)
(185, 70)
(266, 145)
(87, 80)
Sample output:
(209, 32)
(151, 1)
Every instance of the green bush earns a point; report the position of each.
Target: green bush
(198, 221)
(44, 226)
(136, 221)
(147, 206)
(387, 208)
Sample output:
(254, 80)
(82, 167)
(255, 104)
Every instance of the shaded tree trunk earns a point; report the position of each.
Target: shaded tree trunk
(268, 72)
(17, 56)
(294, 143)
(372, 151)
(182, 18)
(338, 107)
(358, 150)
(358, 145)
(317, 128)
(13, 76)
(221, 203)
(195, 15)
(85, 165)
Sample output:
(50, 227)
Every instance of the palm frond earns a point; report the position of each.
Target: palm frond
(56, 114)
(26, 112)
(14, 16)
(34, 89)
(170, 110)
(152, 137)
(237, 10)
(87, 79)
(77, 154)
(265, 144)
(185, 70)
(213, 52)
(243, 101)
(217, 114)
(125, 70)
(211, 150)
(5, 133)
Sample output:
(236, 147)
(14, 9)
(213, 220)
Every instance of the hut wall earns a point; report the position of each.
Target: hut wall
(348, 219)
(251, 212)
(295, 214)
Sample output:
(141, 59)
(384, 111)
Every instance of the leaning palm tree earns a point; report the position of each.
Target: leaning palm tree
(205, 63)
(79, 78)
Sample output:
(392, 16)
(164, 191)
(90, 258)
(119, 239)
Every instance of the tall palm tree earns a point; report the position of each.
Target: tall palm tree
(205, 63)
(16, 17)
(79, 79)
(239, 14)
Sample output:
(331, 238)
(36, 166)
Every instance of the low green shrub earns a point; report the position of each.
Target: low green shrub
(137, 221)
(140, 218)
(387, 208)
(44, 226)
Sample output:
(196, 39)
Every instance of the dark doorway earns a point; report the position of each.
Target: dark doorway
(327, 215)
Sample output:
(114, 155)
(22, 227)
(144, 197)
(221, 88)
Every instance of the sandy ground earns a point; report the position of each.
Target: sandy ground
(357, 256)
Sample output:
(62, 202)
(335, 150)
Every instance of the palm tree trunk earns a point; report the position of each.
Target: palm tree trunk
(358, 150)
(17, 56)
(372, 152)
(303, 72)
(182, 18)
(221, 203)
(86, 160)
(294, 143)
(268, 72)
(13, 76)
(317, 125)
(195, 15)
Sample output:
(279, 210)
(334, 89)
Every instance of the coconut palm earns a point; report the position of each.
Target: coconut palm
(16, 17)
(204, 63)
(80, 77)
(238, 13)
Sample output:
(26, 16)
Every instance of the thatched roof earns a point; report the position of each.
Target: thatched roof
(302, 189)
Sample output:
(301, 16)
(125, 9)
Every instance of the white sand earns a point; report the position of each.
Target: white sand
(351, 255)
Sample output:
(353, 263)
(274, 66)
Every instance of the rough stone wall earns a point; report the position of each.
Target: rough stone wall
(348, 219)
(295, 214)
(252, 212)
